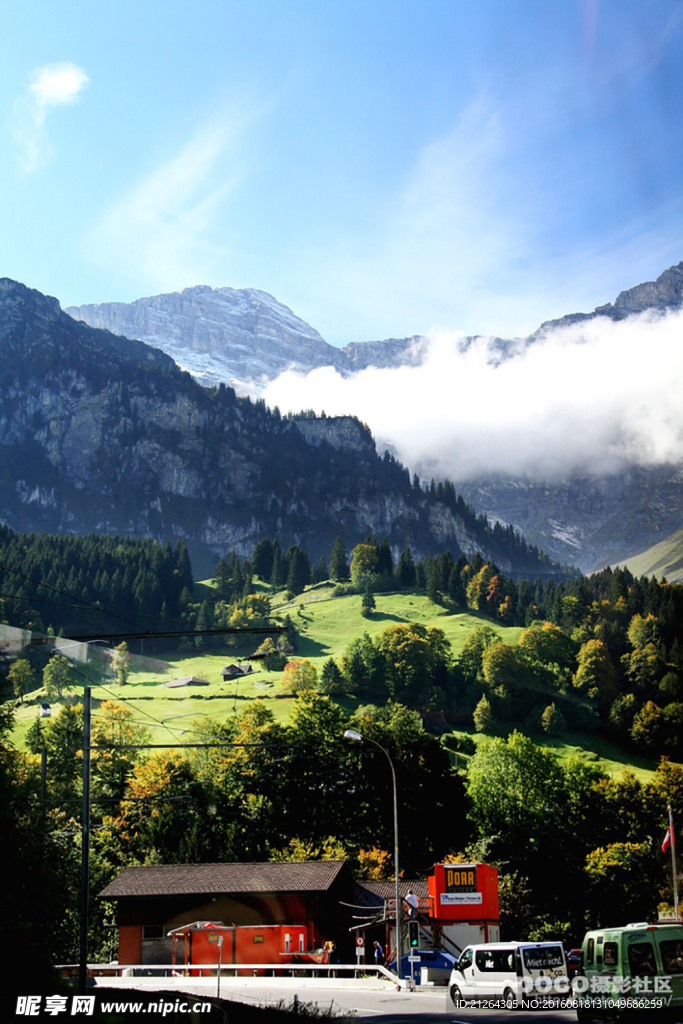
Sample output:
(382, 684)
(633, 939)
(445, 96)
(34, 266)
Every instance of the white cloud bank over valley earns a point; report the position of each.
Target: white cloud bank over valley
(591, 398)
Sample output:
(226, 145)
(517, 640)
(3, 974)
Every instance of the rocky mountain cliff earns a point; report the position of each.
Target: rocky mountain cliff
(242, 337)
(587, 521)
(247, 337)
(664, 293)
(101, 433)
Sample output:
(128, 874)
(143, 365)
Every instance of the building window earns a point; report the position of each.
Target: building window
(152, 931)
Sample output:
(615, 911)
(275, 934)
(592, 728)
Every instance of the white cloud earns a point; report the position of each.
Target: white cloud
(163, 230)
(441, 239)
(50, 86)
(587, 398)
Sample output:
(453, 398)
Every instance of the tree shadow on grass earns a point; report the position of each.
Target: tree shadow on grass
(307, 648)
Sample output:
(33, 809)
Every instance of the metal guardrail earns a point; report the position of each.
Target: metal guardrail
(230, 969)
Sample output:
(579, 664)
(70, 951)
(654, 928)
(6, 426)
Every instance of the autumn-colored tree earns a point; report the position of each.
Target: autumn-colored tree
(375, 864)
(300, 674)
(299, 850)
(647, 730)
(364, 566)
(113, 729)
(553, 721)
(483, 715)
(161, 817)
(546, 643)
(642, 630)
(477, 588)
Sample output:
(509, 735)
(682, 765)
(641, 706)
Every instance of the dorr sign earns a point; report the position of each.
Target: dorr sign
(464, 892)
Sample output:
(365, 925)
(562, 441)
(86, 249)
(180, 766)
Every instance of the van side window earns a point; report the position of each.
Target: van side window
(495, 960)
(672, 956)
(611, 954)
(641, 959)
(590, 951)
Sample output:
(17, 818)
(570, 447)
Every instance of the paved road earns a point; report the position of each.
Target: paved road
(371, 1003)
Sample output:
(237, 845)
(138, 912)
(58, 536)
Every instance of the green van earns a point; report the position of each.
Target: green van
(626, 970)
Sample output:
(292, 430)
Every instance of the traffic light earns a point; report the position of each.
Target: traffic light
(413, 934)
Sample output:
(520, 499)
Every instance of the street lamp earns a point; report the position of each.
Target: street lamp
(351, 734)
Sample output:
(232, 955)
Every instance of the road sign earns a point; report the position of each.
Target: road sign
(360, 941)
(414, 959)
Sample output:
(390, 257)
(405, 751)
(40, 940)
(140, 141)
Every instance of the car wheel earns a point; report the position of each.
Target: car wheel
(456, 996)
(510, 999)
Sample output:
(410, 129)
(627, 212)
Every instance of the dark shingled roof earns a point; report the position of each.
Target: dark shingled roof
(373, 894)
(224, 879)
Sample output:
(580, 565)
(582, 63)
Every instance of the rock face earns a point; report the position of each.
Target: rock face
(100, 433)
(585, 521)
(664, 293)
(248, 337)
(239, 336)
(242, 337)
(245, 337)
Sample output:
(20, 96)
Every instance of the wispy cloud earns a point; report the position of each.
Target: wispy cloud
(588, 398)
(442, 238)
(163, 230)
(54, 85)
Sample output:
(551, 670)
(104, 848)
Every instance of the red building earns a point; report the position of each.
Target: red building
(154, 900)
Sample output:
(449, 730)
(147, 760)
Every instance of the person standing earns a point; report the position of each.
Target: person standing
(413, 902)
(378, 954)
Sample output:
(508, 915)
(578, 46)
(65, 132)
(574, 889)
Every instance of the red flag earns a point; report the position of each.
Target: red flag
(668, 839)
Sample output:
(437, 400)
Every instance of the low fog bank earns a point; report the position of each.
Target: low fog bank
(589, 399)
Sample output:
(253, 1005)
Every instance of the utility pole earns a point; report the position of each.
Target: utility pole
(85, 844)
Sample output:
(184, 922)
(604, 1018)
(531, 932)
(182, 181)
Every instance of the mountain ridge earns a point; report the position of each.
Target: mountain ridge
(588, 521)
(104, 433)
(246, 337)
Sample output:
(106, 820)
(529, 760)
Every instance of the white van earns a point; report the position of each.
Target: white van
(509, 971)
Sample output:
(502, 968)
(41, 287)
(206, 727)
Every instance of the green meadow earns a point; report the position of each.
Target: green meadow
(326, 625)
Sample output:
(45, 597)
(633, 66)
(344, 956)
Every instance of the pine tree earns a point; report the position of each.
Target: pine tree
(320, 573)
(339, 567)
(299, 574)
(331, 679)
(278, 577)
(456, 591)
(405, 570)
(385, 562)
(262, 559)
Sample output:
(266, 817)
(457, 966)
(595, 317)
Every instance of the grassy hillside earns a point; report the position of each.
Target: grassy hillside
(596, 750)
(326, 625)
(664, 559)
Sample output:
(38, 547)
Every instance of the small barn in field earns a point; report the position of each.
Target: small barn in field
(237, 671)
(153, 900)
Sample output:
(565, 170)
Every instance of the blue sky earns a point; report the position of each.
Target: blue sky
(383, 168)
